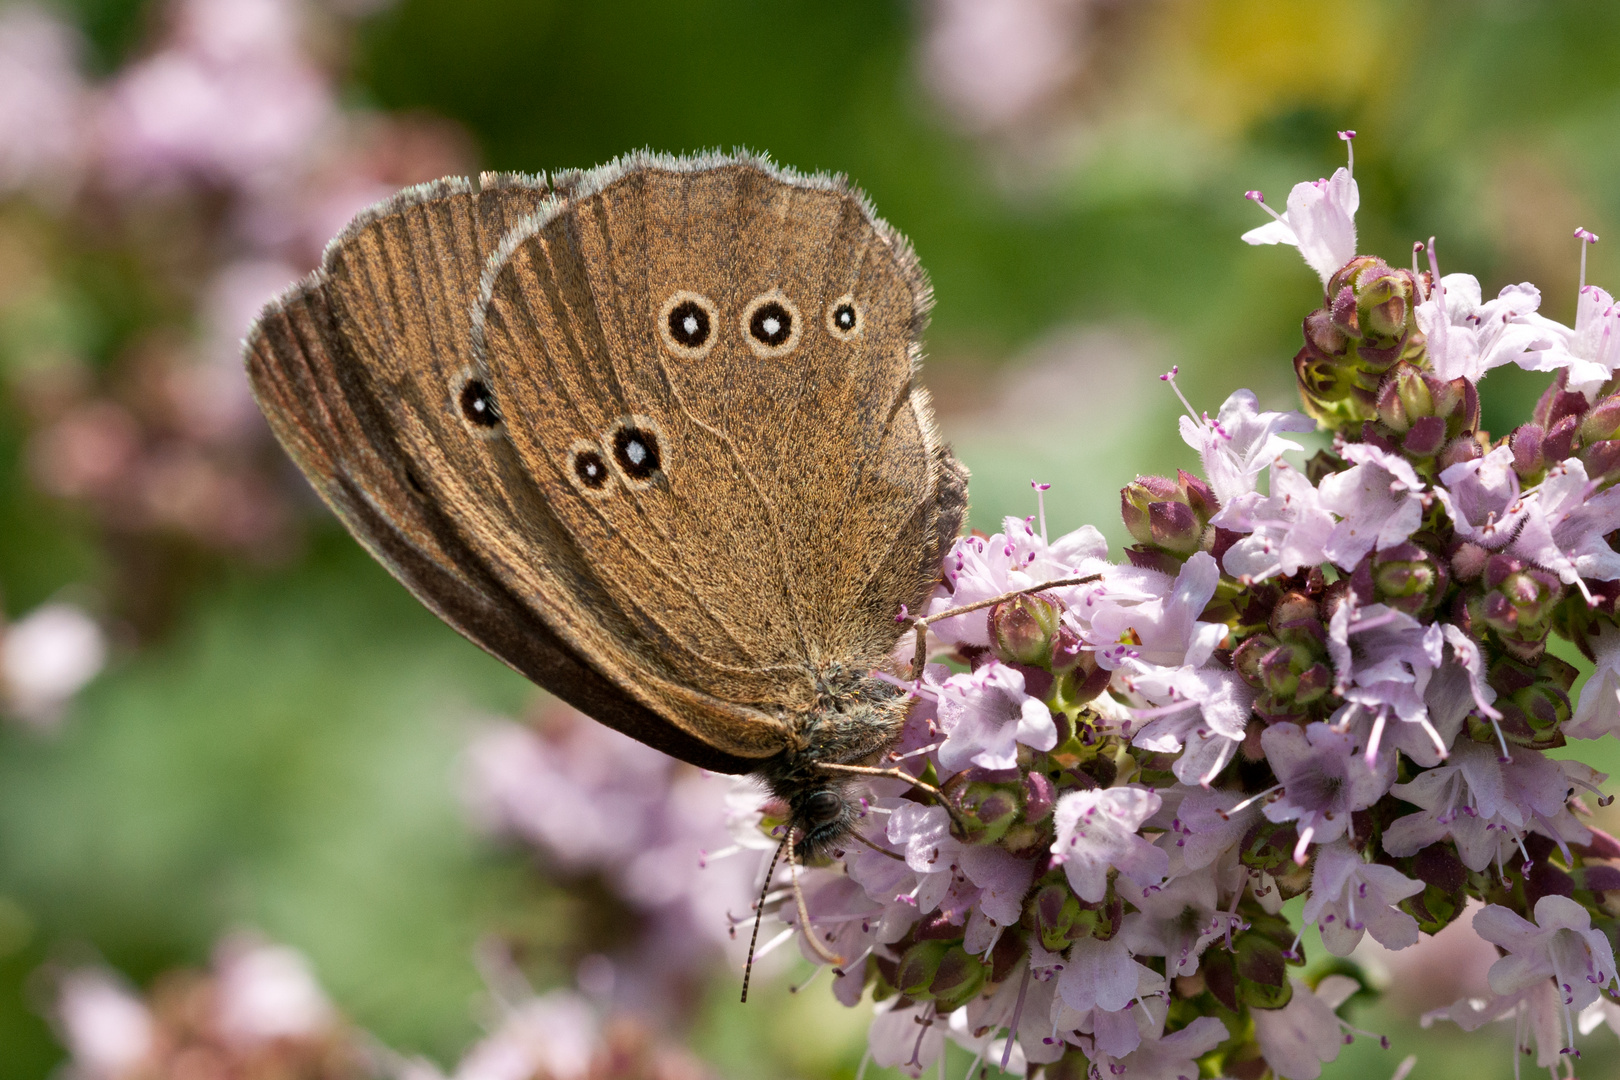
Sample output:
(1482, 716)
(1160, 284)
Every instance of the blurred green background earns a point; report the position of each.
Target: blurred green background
(274, 740)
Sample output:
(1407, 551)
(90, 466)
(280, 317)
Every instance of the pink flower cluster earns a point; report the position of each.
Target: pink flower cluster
(1324, 678)
(259, 1013)
(620, 820)
(201, 176)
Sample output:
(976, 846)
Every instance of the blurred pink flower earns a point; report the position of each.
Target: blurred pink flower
(555, 1036)
(267, 992)
(595, 803)
(995, 63)
(47, 657)
(231, 98)
(44, 103)
(108, 1029)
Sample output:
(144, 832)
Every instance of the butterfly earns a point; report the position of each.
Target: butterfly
(652, 435)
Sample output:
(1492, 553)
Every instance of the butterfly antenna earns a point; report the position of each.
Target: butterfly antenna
(759, 912)
(920, 623)
(804, 913)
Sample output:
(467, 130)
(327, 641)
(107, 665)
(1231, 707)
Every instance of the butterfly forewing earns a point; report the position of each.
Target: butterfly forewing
(789, 470)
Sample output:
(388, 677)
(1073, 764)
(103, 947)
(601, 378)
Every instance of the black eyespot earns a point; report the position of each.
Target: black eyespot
(689, 323)
(822, 808)
(686, 325)
(771, 323)
(478, 405)
(636, 451)
(413, 483)
(844, 316)
(591, 469)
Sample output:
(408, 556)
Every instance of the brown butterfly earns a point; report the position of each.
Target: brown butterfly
(650, 434)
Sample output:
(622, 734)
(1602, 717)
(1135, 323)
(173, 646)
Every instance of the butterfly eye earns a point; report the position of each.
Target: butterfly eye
(637, 450)
(771, 323)
(822, 808)
(686, 324)
(844, 319)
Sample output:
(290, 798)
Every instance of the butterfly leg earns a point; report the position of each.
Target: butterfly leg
(919, 624)
(805, 927)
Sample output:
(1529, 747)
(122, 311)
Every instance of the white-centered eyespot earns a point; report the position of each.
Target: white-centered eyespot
(588, 469)
(770, 323)
(638, 450)
(846, 318)
(472, 400)
(688, 325)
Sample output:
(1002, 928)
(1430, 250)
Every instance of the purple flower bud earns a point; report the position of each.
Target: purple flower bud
(1260, 961)
(1323, 340)
(1462, 448)
(1175, 527)
(1529, 460)
(1426, 437)
(1558, 402)
(1602, 421)
(1023, 629)
(1560, 439)
(1170, 515)
(1468, 561)
(1039, 795)
(1602, 460)
(1516, 601)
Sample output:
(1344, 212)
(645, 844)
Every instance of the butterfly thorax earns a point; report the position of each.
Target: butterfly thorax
(857, 717)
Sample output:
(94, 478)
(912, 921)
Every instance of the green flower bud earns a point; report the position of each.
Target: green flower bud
(1533, 700)
(918, 967)
(990, 810)
(1288, 665)
(1404, 398)
(958, 978)
(1055, 911)
(1406, 577)
(1517, 602)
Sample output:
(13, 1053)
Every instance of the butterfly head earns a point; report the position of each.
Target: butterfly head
(857, 719)
(822, 814)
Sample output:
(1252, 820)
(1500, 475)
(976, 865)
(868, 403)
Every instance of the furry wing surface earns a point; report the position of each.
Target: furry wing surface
(802, 496)
(358, 371)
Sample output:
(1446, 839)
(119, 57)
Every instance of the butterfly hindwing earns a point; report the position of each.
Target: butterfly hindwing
(359, 370)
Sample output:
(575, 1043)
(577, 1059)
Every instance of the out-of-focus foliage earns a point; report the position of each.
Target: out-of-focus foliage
(274, 742)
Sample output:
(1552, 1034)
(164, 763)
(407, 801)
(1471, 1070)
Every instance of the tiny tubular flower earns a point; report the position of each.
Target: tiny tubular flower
(1097, 830)
(1320, 222)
